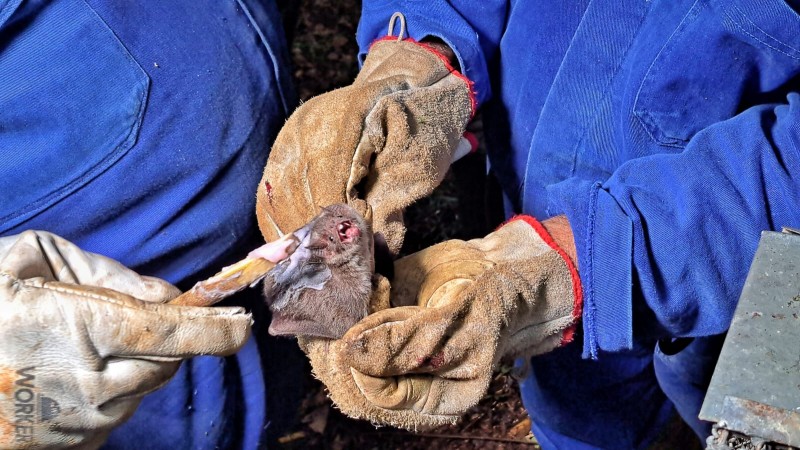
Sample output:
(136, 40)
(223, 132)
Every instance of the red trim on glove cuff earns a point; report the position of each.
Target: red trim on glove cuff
(577, 290)
(470, 85)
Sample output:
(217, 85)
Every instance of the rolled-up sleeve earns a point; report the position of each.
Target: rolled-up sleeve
(665, 243)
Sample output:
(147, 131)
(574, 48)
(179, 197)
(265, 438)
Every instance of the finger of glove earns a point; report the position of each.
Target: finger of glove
(123, 326)
(109, 396)
(446, 282)
(380, 318)
(96, 270)
(396, 393)
(126, 378)
(430, 340)
(415, 133)
(359, 345)
(312, 160)
(39, 254)
(381, 292)
(425, 394)
(421, 275)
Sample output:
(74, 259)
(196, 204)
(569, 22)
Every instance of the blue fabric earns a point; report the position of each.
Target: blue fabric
(139, 130)
(668, 133)
(684, 373)
(612, 402)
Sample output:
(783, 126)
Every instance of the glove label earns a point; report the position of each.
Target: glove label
(30, 407)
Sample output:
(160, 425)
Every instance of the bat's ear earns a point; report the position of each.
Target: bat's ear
(384, 260)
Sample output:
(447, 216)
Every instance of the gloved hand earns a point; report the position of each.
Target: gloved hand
(513, 293)
(383, 142)
(82, 339)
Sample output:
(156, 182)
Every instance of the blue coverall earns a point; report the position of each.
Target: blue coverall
(139, 130)
(668, 132)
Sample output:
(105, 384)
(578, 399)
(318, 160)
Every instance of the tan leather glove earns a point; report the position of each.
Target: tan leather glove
(513, 293)
(82, 339)
(385, 141)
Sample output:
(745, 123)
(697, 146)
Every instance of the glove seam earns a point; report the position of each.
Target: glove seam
(77, 292)
(473, 100)
(577, 290)
(93, 296)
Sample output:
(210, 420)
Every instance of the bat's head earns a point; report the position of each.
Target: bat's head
(338, 234)
(324, 286)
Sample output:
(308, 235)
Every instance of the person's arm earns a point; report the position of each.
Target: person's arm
(664, 244)
(472, 29)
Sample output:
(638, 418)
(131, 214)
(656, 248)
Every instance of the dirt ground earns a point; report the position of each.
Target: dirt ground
(324, 53)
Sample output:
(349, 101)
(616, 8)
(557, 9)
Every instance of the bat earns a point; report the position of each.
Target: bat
(323, 288)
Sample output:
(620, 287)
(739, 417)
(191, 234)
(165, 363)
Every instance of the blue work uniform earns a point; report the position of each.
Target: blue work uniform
(139, 130)
(668, 132)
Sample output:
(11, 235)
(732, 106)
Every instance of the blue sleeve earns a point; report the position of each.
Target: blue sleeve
(7, 7)
(472, 29)
(665, 243)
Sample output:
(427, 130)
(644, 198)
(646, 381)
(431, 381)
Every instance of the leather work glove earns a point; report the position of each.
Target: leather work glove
(378, 145)
(82, 339)
(513, 293)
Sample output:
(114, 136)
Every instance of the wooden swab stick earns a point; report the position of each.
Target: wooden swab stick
(240, 275)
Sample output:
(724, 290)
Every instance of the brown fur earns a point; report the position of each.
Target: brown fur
(324, 288)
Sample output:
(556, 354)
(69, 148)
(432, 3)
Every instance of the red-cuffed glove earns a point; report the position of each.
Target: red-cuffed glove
(512, 293)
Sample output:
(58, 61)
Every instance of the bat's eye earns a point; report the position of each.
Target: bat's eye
(347, 232)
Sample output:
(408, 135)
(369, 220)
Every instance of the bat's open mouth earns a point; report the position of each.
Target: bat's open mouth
(347, 232)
